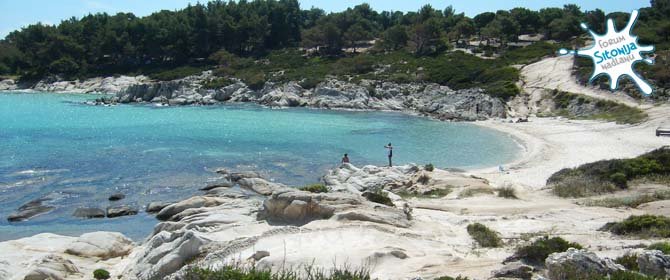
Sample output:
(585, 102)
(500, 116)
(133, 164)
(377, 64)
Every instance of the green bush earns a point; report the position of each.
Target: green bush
(641, 226)
(470, 192)
(217, 83)
(629, 261)
(378, 197)
(507, 192)
(255, 81)
(238, 272)
(661, 246)
(315, 188)
(175, 73)
(429, 167)
(434, 193)
(538, 251)
(484, 236)
(597, 109)
(609, 175)
(100, 274)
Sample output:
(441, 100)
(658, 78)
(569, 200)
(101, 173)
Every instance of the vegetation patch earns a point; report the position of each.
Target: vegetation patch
(629, 261)
(429, 167)
(632, 202)
(217, 83)
(470, 192)
(607, 176)
(176, 73)
(536, 252)
(378, 197)
(434, 193)
(577, 106)
(315, 188)
(101, 274)
(238, 272)
(484, 236)
(646, 226)
(661, 246)
(507, 192)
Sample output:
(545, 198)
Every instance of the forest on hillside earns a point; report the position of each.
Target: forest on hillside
(222, 32)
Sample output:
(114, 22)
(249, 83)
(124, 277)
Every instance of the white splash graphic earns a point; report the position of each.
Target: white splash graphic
(615, 53)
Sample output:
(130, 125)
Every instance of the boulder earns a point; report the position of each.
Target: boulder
(193, 202)
(236, 176)
(117, 196)
(258, 255)
(51, 267)
(220, 183)
(119, 211)
(654, 263)
(156, 206)
(514, 270)
(88, 213)
(298, 207)
(165, 253)
(101, 244)
(574, 263)
(29, 210)
(260, 186)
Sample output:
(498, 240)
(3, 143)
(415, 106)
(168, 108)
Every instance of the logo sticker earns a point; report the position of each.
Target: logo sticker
(615, 53)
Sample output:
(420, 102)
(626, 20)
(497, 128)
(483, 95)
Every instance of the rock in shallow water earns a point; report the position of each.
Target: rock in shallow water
(119, 211)
(117, 196)
(89, 213)
(29, 210)
(156, 206)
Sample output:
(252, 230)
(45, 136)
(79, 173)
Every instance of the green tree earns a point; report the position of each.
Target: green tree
(395, 37)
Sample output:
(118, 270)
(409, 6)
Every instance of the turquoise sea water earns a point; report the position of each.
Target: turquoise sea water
(53, 145)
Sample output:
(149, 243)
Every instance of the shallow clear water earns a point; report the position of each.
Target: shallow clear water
(53, 145)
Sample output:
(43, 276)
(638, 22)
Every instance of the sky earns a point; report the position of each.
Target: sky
(18, 13)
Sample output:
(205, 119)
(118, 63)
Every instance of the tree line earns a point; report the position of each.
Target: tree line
(122, 43)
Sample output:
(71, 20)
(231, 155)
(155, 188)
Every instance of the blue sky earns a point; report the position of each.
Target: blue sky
(18, 13)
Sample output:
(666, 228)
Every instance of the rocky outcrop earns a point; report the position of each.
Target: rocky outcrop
(8, 84)
(156, 206)
(574, 264)
(654, 263)
(52, 267)
(515, 270)
(299, 207)
(101, 244)
(94, 85)
(168, 212)
(30, 209)
(429, 99)
(116, 197)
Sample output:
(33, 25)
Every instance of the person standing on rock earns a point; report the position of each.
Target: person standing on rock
(390, 153)
(345, 159)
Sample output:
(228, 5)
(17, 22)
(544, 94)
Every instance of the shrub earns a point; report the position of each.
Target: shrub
(643, 226)
(541, 248)
(634, 201)
(217, 83)
(470, 192)
(484, 236)
(255, 81)
(238, 272)
(310, 82)
(507, 192)
(315, 188)
(175, 73)
(609, 175)
(629, 261)
(661, 246)
(378, 197)
(423, 179)
(429, 167)
(452, 278)
(100, 274)
(434, 193)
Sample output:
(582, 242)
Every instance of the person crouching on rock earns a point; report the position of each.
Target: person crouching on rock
(390, 153)
(345, 159)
